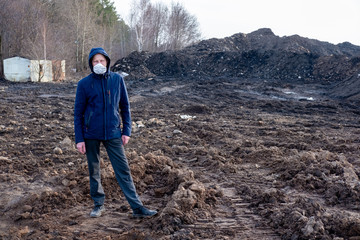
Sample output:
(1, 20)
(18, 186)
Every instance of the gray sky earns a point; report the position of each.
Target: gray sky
(333, 21)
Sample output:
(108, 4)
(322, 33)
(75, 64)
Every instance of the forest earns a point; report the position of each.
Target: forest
(68, 29)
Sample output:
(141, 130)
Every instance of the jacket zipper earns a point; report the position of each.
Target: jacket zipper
(105, 106)
(108, 86)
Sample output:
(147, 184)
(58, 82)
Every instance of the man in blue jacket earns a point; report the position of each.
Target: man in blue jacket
(101, 104)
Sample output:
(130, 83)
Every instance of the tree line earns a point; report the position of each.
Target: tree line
(68, 29)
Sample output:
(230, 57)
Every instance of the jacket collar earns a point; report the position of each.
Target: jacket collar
(100, 76)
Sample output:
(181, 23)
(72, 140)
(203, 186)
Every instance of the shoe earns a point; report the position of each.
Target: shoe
(96, 212)
(142, 212)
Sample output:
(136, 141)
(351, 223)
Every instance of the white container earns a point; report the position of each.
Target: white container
(41, 71)
(17, 69)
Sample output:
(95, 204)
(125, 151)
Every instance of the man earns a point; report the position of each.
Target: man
(100, 105)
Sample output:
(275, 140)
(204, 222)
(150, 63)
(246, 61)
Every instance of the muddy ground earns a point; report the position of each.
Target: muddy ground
(224, 158)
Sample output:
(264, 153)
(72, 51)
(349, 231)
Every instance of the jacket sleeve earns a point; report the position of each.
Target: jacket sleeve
(79, 109)
(125, 109)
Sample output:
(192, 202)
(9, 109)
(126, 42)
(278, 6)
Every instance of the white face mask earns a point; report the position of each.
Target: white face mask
(99, 69)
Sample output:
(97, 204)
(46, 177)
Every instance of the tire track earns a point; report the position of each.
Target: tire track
(233, 219)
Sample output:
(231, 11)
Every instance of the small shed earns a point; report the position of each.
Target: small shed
(20, 69)
(58, 69)
(17, 69)
(41, 71)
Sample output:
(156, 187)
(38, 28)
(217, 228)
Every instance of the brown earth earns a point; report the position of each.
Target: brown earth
(220, 158)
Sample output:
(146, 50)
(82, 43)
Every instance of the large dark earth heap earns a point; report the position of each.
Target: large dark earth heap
(257, 55)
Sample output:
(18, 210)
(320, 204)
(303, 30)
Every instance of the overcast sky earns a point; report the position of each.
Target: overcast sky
(333, 21)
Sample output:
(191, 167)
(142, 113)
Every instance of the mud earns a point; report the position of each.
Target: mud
(222, 158)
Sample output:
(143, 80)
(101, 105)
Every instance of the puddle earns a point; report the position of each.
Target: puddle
(282, 95)
(298, 96)
(56, 96)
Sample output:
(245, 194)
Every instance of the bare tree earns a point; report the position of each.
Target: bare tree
(19, 27)
(59, 34)
(138, 21)
(125, 45)
(156, 28)
(183, 28)
(157, 17)
(81, 19)
(2, 22)
(91, 23)
(110, 21)
(119, 44)
(1, 59)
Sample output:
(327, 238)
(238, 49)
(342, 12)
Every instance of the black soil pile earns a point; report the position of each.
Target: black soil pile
(258, 55)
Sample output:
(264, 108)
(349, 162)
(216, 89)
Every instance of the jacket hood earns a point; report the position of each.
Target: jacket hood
(95, 51)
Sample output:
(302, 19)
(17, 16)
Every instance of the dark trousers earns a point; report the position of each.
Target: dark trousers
(115, 151)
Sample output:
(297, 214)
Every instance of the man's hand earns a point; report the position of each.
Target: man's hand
(125, 139)
(81, 147)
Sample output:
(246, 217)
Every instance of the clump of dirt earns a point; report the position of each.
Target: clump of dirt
(182, 192)
(329, 177)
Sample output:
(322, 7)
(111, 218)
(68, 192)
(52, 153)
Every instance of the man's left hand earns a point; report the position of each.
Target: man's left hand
(125, 139)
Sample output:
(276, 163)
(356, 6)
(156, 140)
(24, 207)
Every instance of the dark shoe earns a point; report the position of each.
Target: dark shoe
(96, 212)
(142, 212)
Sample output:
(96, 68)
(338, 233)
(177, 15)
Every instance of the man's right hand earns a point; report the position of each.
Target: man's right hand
(81, 147)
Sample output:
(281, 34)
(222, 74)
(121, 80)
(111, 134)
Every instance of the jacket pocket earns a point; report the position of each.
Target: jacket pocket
(87, 120)
(118, 120)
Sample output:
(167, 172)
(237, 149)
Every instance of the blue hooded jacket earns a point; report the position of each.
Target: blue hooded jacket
(100, 101)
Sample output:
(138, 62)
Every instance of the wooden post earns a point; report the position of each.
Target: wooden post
(1, 60)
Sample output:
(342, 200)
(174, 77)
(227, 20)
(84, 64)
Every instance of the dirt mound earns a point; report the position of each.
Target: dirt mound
(323, 173)
(260, 54)
(265, 40)
(348, 89)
